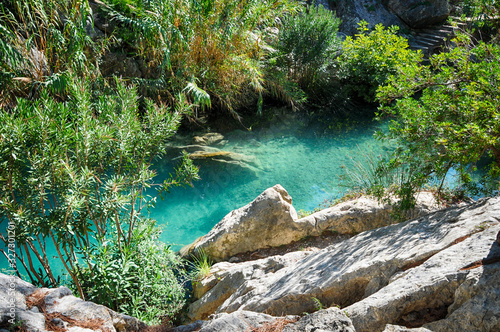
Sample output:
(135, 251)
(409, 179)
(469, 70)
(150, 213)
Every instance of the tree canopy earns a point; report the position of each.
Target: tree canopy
(447, 116)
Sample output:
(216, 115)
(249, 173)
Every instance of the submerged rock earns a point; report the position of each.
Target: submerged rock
(405, 274)
(208, 139)
(207, 154)
(226, 158)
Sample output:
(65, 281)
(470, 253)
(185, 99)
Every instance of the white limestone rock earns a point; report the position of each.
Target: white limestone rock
(252, 227)
(420, 258)
(271, 221)
(58, 301)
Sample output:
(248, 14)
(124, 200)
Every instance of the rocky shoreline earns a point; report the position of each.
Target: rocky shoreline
(437, 272)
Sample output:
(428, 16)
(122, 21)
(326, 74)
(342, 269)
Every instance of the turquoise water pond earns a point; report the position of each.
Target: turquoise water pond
(306, 159)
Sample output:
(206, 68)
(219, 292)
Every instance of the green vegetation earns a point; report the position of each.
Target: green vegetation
(317, 304)
(211, 50)
(306, 47)
(369, 59)
(144, 278)
(77, 146)
(453, 124)
(201, 264)
(39, 49)
(73, 177)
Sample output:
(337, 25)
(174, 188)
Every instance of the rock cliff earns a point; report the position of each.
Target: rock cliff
(441, 271)
(413, 14)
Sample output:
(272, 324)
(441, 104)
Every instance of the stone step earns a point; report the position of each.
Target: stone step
(438, 32)
(431, 38)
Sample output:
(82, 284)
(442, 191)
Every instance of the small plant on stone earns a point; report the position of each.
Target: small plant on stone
(317, 304)
(201, 265)
(303, 213)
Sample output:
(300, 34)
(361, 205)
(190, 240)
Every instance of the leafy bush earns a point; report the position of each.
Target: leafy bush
(74, 173)
(305, 49)
(143, 279)
(447, 117)
(368, 60)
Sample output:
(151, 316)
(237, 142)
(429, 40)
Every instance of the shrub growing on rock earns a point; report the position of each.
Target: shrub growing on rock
(143, 279)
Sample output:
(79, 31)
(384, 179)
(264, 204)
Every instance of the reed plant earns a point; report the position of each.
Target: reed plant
(42, 44)
(210, 50)
(305, 51)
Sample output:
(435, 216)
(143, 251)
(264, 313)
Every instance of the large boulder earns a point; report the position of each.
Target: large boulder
(271, 221)
(371, 11)
(226, 278)
(362, 214)
(42, 309)
(252, 226)
(441, 289)
(476, 302)
(414, 14)
(402, 274)
(419, 14)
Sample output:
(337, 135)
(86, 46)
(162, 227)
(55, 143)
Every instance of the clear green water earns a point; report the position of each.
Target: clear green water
(307, 160)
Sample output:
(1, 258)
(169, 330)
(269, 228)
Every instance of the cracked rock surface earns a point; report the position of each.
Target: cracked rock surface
(407, 274)
(42, 309)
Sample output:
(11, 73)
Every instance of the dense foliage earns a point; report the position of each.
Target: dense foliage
(304, 55)
(371, 57)
(42, 44)
(74, 175)
(211, 50)
(447, 117)
(144, 278)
